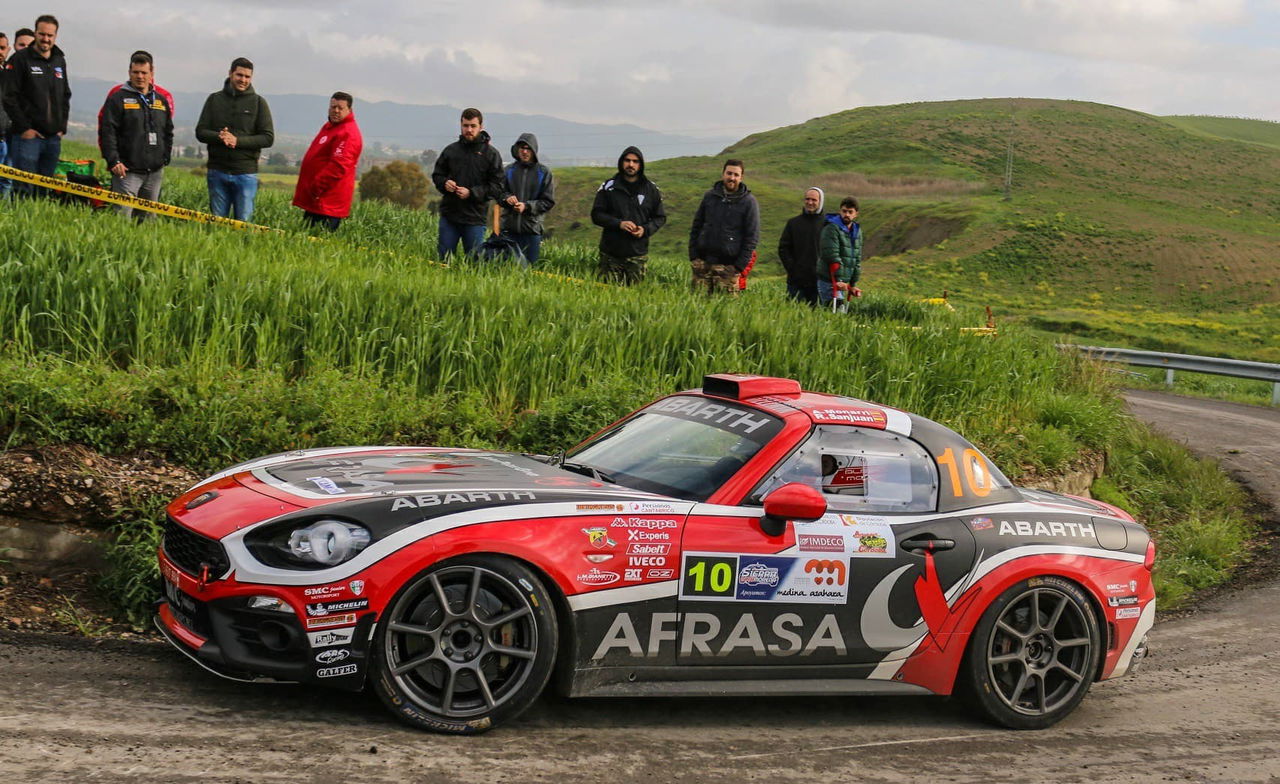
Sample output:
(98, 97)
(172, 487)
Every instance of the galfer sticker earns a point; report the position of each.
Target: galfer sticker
(333, 672)
(812, 579)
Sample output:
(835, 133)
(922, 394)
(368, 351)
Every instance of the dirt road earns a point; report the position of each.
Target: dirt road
(1206, 707)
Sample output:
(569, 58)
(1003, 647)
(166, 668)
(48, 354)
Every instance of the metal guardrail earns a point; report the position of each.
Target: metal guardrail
(1239, 368)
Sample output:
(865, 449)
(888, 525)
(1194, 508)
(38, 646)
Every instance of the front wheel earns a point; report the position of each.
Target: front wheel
(465, 645)
(1033, 655)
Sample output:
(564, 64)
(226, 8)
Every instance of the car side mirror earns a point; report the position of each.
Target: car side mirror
(792, 501)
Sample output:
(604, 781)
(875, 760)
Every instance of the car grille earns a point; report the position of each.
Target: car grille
(191, 551)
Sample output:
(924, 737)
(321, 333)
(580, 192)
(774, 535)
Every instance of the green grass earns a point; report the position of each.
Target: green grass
(213, 346)
(1237, 128)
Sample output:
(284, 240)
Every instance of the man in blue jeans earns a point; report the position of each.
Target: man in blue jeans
(468, 174)
(38, 101)
(236, 125)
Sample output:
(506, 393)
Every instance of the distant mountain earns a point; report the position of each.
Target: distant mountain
(413, 127)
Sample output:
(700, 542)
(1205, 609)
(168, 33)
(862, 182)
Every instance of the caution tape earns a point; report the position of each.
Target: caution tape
(123, 199)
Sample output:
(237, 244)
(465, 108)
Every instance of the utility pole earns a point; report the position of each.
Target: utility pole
(1008, 163)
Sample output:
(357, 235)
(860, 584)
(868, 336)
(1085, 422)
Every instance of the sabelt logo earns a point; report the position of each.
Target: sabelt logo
(636, 548)
(821, 543)
(827, 572)
(333, 656)
(598, 577)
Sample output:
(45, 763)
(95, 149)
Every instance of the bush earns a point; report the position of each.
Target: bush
(399, 182)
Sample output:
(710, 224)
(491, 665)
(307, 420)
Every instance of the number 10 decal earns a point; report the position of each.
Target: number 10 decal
(977, 479)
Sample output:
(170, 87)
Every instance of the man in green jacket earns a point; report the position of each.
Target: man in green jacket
(236, 125)
(840, 255)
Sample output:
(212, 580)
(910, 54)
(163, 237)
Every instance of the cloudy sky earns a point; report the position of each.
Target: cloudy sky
(716, 67)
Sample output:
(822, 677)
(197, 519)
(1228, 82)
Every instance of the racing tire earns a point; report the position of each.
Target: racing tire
(1033, 655)
(466, 645)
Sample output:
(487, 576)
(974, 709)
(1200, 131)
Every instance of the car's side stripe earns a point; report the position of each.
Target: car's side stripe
(627, 595)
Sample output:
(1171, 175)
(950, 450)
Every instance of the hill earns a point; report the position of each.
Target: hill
(1237, 128)
(1121, 226)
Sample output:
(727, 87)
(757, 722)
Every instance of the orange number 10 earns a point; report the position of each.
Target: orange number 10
(976, 476)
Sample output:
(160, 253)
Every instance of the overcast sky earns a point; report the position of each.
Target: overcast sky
(718, 67)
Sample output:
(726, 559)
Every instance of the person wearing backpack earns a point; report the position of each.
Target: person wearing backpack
(529, 193)
(840, 255)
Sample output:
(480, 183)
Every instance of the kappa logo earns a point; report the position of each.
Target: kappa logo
(644, 522)
(827, 572)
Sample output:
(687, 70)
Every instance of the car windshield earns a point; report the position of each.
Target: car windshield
(685, 447)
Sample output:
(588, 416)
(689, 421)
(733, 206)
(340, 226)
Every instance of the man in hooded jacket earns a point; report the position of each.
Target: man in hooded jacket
(798, 248)
(236, 125)
(529, 193)
(327, 176)
(628, 209)
(724, 233)
(468, 174)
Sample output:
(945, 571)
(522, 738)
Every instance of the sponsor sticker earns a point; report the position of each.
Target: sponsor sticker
(1127, 613)
(660, 574)
(631, 574)
(346, 619)
(356, 586)
(326, 484)
(1040, 528)
(325, 608)
(870, 543)
(600, 507)
(333, 655)
(333, 672)
(598, 577)
(981, 524)
(448, 499)
(820, 543)
(170, 573)
(1122, 601)
(651, 507)
(324, 591)
(765, 578)
(646, 560)
(1129, 587)
(647, 523)
(648, 548)
(332, 637)
(850, 416)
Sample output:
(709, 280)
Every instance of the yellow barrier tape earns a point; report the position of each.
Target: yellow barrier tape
(102, 194)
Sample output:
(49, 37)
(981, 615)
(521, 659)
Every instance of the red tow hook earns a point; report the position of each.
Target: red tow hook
(204, 577)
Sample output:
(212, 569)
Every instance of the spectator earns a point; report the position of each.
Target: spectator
(38, 102)
(327, 176)
(840, 255)
(468, 173)
(4, 116)
(529, 194)
(23, 38)
(165, 94)
(798, 248)
(628, 208)
(236, 125)
(135, 135)
(724, 233)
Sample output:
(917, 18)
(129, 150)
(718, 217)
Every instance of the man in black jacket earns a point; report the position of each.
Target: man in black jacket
(529, 193)
(724, 233)
(38, 102)
(136, 135)
(628, 208)
(798, 248)
(236, 125)
(468, 174)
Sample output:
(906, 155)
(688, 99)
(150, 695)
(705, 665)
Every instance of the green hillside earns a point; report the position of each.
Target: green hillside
(1237, 128)
(1122, 227)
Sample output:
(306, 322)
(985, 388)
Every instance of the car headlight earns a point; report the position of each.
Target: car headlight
(328, 542)
(308, 544)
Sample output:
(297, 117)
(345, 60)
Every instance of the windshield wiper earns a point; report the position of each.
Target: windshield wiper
(587, 470)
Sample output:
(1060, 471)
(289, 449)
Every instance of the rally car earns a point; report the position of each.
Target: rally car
(744, 538)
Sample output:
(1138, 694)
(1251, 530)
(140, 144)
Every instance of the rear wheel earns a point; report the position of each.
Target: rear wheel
(466, 645)
(1033, 654)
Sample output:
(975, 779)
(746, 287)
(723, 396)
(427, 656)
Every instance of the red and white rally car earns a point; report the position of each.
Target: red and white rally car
(744, 538)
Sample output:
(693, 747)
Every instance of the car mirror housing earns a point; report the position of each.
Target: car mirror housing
(792, 501)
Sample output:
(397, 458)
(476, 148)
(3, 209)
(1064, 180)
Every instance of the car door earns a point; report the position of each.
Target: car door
(854, 586)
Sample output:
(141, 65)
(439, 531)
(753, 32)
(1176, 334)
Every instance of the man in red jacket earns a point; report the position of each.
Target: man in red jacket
(327, 177)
